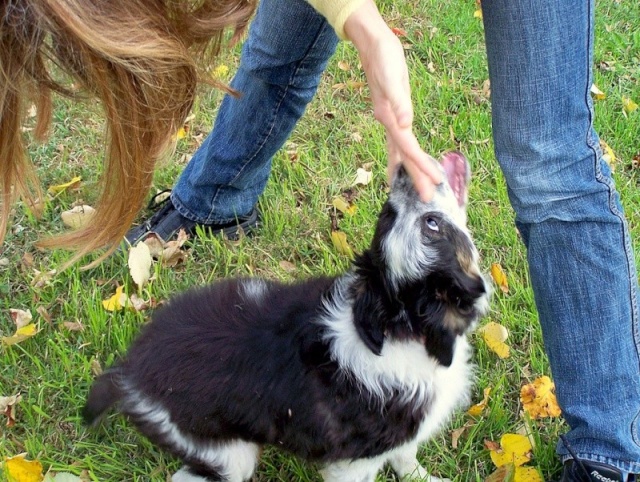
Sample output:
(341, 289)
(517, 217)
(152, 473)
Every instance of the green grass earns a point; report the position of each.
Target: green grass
(54, 369)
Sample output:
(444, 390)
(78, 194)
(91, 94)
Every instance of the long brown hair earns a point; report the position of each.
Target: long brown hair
(138, 57)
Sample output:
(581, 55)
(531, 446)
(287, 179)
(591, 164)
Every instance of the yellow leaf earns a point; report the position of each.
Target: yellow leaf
(117, 301)
(58, 188)
(527, 474)
(538, 398)
(499, 277)
(220, 71)
(19, 469)
(495, 335)
(181, 134)
(608, 155)
(597, 93)
(478, 408)
(139, 263)
(504, 473)
(478, 13)
(343, 206)
(516, 449)
(628, 105)
(339, 240)
(21, 334)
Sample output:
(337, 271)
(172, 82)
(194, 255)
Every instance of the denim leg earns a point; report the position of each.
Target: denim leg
(288, 47)
(569, 213)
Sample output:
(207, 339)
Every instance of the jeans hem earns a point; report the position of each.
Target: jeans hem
(625, 466)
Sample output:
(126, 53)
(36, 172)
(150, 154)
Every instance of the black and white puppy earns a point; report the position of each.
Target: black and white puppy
(351, 372)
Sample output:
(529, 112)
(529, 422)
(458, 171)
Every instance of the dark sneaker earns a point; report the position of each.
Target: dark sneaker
(587, 471)
(578, 470)
(166, 222)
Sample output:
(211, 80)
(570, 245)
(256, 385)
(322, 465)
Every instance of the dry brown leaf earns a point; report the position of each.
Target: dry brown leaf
(78, 216)
(73, 325)
(287, 266)
(20, 317)
(8, 408)
(42, 311)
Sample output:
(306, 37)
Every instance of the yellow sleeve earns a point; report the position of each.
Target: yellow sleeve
(336, 12)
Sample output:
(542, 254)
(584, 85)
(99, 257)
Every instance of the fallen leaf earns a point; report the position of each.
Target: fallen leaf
(58, 188)
(538, 398)
(495, 335)
(515, 449)
(138, 304)
(96, 368)
(288, 266)
(172, 254)
(62, 477)
(8, 408)
(77, 217)
(628, 106)
(117, 301)
(339, 240)
(477, 13)
(19, 469)
(363, 177)
(180, 134)
(343, 206)
(399, 32)
(608, 155)
(477, 409)
(42, 278)
(73, 325)
(504, 473)
(342, 65)
(139, 263)
(597, 93)
(220, 71)
(499, 277)
(42, 311)
(21, 334)
(20, 317)
(527, 474)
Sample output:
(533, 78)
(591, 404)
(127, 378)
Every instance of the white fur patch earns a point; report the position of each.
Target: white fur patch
(254, 289)
(236, 460)
(403, 366)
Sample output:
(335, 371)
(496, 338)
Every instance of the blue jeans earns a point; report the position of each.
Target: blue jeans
(287, 51)
(567, 209)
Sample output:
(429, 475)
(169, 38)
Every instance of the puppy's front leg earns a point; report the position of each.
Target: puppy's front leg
(361, 470)
(406, 465)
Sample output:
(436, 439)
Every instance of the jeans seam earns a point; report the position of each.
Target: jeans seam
(273, 115)
(626, 237)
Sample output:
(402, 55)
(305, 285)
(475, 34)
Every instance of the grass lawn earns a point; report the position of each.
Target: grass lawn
(338, 135)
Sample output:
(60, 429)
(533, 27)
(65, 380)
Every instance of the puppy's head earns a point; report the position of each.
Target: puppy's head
(422, 269)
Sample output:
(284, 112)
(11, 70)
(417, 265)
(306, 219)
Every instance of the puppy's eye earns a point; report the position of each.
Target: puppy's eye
(432, 224)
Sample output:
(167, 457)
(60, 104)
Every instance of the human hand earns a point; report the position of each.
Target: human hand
(383, 61)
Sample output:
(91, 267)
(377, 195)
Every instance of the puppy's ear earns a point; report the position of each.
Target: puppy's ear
(439, 343)
(368, 319)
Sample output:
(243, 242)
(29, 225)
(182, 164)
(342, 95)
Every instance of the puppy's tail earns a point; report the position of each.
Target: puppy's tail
(104, 393)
